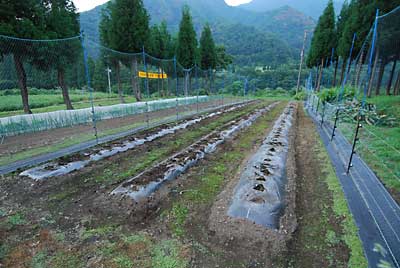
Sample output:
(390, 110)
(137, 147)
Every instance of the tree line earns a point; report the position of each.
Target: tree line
(333, 38)
(125, 27)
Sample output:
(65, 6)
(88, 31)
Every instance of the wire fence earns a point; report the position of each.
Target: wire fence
(55, 93)
(372, 130)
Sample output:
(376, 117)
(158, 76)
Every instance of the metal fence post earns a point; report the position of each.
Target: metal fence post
(176, 90)
(359, 125)
(336, 121)
(323, 113)
(316, 110)
(354, 143)
(198, 89)
(371, 57)
(340, 95)
(87, 73)
(147, 87)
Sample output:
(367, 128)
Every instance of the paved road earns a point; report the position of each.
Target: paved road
(40, 159)
(375, 212)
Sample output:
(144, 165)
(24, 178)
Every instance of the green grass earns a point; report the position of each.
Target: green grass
(179, 214)
(100, 231)
(387, 104)
(379, 146)
(167, 255)
(341, 210)
(12, 104)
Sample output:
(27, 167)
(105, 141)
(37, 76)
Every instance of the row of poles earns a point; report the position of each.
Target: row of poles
(340, 95)
(146, 85)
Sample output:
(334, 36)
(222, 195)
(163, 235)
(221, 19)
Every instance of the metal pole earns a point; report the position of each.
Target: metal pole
(223, 86)
(323, 113)
(109, 81)
(363, 102)
(176, 90)
(85, 59)
(336, 121)
(354, 144)
(147, 87)
(198, 89)
(371, 57)
(347, 68)
(301, 61)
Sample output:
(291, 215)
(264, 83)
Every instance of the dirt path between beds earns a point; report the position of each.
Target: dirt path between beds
(59, 224)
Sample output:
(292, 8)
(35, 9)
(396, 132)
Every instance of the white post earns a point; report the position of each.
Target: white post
(301, 62)
(109, 80)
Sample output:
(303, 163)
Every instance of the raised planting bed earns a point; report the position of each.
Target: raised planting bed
(67, 165)
(140, 188)
(259, 196)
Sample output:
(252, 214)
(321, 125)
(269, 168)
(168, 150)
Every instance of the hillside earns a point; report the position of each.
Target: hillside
(253, 47)
(282, 26)
(312, 8)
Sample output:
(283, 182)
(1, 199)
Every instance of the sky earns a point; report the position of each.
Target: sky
(84, 5)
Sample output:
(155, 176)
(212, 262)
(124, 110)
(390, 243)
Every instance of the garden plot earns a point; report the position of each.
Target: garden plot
(59, 168)
(19, 124)
(74, 221)
(257, 206)
(259, 195)
(140, 188)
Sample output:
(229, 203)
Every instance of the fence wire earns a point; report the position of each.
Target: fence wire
(55, 93)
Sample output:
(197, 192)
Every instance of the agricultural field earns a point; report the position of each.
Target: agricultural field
(42, 100)
(235, 135)
(165, 197)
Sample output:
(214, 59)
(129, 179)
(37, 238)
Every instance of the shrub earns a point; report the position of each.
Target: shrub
(301, 96)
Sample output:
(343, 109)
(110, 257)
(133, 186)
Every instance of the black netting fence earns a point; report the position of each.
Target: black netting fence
(56, 93)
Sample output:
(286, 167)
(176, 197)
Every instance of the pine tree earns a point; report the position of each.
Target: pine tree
(208, 56)
(323, 40)
(340, 51)
(186, 51)
(187, 41)
(110, 58)
(23, 19)
(161, 46)
(125, 28)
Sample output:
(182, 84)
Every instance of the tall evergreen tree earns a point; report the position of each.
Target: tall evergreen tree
(323, 40)
(110, 58)
(23, 19)
(125, 28)
(186, 51)
(341, 51)
(208, 56)
(187, 41)
(161, 46)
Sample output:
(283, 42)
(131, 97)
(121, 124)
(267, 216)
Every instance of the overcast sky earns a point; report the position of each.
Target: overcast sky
(84, 5)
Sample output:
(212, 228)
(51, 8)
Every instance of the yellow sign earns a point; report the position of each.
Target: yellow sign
(152, 75)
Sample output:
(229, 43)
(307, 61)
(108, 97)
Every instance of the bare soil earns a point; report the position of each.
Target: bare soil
(57, 214)
(311, 246)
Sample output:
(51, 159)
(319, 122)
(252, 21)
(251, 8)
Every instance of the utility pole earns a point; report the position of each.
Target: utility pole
(109, 80)
(301, 61)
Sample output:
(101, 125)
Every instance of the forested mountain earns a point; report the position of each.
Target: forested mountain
(279, 32)
(252, 46)
(311, 8)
